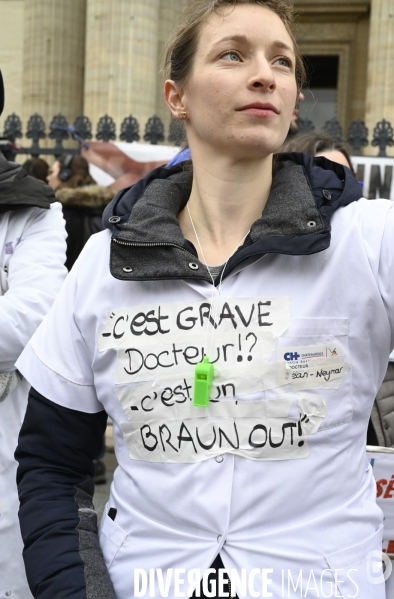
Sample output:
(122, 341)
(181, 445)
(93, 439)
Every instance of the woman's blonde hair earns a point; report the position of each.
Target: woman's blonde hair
(182, 45)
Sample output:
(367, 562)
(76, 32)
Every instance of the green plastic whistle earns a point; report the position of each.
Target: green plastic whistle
(203, 377)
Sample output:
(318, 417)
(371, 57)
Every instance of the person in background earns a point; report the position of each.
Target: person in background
(37, 168)
(32, 253)
(320, 144)
(381, 424)
(82, 199)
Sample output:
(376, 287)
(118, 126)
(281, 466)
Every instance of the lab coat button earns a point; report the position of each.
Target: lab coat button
(8, 593)
(219, 538)
(219, 459)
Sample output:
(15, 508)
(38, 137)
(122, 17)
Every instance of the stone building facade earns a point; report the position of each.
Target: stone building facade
(102, 56)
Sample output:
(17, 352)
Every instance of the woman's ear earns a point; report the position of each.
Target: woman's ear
(174, 99)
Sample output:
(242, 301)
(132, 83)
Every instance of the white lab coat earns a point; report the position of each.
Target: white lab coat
(305, 500)
(32, 256)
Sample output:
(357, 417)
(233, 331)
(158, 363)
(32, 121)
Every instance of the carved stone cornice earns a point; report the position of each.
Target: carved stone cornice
(335, 10)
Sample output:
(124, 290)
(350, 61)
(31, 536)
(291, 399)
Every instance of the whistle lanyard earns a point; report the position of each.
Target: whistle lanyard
(204, 371)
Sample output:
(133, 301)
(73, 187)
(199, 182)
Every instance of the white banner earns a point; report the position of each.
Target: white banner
(377, 176)
(382, 462)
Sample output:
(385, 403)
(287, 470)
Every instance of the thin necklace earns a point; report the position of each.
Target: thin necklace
(202, 252)
(204, 371)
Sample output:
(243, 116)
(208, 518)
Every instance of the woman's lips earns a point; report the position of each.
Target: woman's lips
(260, 110)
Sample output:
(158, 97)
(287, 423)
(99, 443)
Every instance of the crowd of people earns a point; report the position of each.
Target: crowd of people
(233, 314)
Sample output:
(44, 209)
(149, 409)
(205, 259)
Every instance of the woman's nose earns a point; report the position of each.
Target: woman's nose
(263, 75)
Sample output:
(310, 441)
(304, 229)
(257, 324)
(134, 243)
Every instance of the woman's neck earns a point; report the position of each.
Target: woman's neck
(227, 197)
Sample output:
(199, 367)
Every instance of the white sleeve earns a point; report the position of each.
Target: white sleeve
(57, 360)
(36, 273)
(386, 269)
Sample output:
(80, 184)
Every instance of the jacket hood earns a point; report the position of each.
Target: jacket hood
(89, 196)
(18, 190)
(147, 242)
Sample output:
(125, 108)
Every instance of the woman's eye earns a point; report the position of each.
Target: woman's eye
(232, 56)
(284, 61)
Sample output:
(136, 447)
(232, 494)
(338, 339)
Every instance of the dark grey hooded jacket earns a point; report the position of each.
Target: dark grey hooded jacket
(19, 190)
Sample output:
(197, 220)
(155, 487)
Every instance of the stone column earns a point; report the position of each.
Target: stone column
(121, 59)
(380, 81)
(53, 58)
(170, 11)
(11, 52)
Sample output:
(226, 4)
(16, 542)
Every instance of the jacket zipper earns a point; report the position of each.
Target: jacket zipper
(166, 243)
(152, 244)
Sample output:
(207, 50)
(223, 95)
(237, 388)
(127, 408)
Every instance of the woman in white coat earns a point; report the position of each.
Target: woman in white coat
(32, 256)
(234, 320)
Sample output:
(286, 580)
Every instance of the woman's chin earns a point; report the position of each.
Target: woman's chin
(238, 144)
(253, 148)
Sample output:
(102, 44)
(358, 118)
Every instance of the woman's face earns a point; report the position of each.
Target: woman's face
(242, 91)
(53, 176)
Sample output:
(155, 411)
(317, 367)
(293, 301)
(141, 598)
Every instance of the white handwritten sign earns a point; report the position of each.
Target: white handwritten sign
(159, 342)
(158, 347)
(125, 325)
(178, 432)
